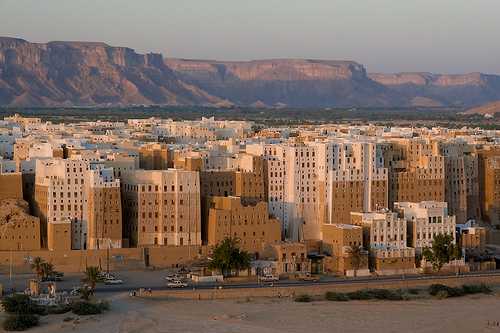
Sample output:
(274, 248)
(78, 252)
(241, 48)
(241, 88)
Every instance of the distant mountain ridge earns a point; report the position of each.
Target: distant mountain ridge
(96, 74)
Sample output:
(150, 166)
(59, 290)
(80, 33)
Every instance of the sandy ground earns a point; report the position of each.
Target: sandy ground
(467, 314)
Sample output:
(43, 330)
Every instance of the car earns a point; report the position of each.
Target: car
(52, 278)
(106, 276)
(177, 284)
(173, 277)
(113, 281)
(268, 278)
(308, 277)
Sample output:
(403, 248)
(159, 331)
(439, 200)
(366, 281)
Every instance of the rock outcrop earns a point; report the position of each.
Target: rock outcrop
(87, 74)
(291, 82)
(96, 74)
(488, 109)
(463, 90)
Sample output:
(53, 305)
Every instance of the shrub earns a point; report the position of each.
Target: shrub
(89, 308)
(303, 298)
(337, 297)
(434, 290)
(85, 308)
(476, 289)
(20, 322)
(58, 309)
(359, 295)
(104, 306)
(381, 294)
(442, 294)
(413, 291)
(21, 304)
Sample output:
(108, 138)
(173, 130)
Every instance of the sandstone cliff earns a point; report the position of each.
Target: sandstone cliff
(463, 90)
(82, 73)
(490, 108)
(96, 74)
(292, 82)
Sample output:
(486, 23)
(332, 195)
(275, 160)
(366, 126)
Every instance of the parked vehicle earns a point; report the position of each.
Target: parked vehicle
(113, 281)
(177, 284)
(52, 278)
(268, 278)
(106, 276)
(173, 277)
(308, 277)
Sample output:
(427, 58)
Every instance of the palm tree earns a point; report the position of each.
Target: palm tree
(356, 254)
(92, 276)
(47, 269)
(36, 265)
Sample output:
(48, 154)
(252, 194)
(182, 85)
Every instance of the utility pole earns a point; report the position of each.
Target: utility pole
(107, 256)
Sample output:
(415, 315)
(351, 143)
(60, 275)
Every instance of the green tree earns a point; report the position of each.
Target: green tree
(356, 254)
(36, 266)
(92, 276)
(227, 257)
(443, 251)
(47, 269)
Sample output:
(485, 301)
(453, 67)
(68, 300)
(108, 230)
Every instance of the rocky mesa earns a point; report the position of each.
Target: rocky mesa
(96, 74)
(87, 74)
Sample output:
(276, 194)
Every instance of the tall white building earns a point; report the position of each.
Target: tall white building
(59, 196)
(426, 220)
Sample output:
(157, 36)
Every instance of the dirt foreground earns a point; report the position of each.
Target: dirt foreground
(465, 314)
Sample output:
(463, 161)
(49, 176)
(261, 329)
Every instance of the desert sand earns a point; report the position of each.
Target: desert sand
(467, 314)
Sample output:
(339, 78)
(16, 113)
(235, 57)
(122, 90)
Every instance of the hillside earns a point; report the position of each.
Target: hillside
(490, 108)
(84, 74)
(96, 74)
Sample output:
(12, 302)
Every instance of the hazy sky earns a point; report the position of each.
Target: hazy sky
(452, 36)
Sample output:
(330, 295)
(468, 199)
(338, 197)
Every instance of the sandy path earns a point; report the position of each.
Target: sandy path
(467, 314)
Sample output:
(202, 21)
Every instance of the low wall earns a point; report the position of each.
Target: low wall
(119, 259)
(320, 289)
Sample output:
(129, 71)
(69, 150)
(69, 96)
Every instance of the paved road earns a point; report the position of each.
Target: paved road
(155, 281)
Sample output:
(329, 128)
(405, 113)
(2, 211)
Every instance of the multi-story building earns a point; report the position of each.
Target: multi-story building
(229, 217)
(155, 156)
(416, 171)
(320, 182)
(161, 207)
(385, 235)
(19, 231)
(489, 185)
(59, 198)
(425, 220)
(344, 239)
(102, 209)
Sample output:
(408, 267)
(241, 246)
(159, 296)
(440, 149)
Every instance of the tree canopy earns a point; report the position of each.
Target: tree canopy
(443, 251)
(227, 257)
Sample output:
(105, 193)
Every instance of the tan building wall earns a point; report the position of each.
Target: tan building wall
(489, 185)
(59, 236)
(473, 239)
(394, 261)
(416, 171)
(290, 258)
(72, 261)
(251, 224)
(341, 236)
(154, 157)
(349, 196)
(104, 218)
(161, 207)
(11, 186)
(188, 163)
(18, 230)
